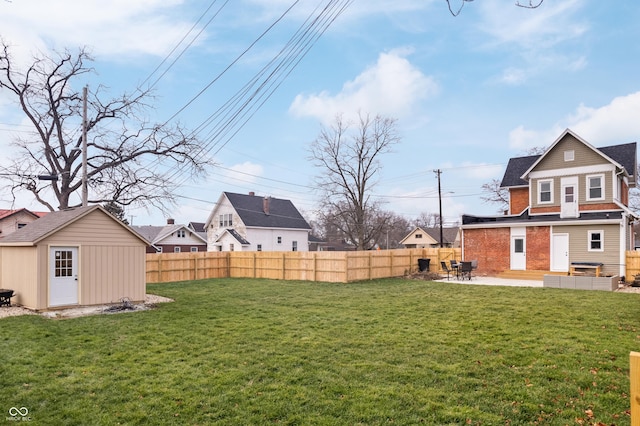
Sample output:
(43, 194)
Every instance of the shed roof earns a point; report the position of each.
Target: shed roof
(53, 222)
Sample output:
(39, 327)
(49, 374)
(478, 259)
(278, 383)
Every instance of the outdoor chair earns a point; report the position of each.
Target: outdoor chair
(474, 264)
(465, 270)
(444, 266)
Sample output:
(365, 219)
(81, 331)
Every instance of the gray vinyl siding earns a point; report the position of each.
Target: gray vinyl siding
(579, 245)
(584, 156)
(582, 190)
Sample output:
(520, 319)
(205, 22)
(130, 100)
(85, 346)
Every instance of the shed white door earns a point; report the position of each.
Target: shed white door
(63, 276)
(560, 252)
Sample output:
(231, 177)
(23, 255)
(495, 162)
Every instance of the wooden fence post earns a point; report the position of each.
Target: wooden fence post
(283, 266)
(254, 264)
(634, 378)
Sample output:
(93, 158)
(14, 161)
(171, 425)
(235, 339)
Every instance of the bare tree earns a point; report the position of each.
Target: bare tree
(396, 228)
(495, 194)
(129, 159)
(427, 220)
(531, 4)
(349, 158)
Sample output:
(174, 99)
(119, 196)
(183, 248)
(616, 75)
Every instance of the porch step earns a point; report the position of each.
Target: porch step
(527, 275)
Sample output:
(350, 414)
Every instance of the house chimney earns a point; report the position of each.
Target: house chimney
(265, 205)
(170, 221)
(252, 193)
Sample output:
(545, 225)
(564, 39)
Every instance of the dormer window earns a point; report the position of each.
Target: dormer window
(569, 155)
(545, 191)
(180, 233)
(418, 235)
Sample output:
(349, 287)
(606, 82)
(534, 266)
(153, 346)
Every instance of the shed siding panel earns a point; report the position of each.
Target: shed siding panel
(19, 274)
(112, 273)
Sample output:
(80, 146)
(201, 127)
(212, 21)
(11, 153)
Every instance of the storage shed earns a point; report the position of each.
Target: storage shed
(76, 257)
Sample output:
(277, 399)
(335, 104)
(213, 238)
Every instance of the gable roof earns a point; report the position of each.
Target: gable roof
(156, 234)
(449, 235)
(515, 169)
(282, 213)
(53, 222)
(623, 156)
(7, 213)
(197, 226)
(238, 237)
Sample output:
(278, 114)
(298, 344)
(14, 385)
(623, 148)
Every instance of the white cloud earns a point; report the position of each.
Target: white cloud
(392, 87)
(114, 27)
(247, 172)
(614, 123)
(533, 29)
(543, 38)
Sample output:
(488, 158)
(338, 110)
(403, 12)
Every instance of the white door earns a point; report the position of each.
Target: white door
(518, 253)
(63, 276)
(560, 252)
(569, 197)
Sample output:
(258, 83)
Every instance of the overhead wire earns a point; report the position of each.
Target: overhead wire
(193, 27)
(224, 123)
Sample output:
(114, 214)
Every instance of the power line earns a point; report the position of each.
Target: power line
(193, 27)
(231, 117)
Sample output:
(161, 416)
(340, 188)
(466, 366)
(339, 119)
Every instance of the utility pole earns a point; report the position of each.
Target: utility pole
(438, 172)
(85, 190)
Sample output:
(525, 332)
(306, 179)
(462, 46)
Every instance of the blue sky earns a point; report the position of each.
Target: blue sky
(469, 92)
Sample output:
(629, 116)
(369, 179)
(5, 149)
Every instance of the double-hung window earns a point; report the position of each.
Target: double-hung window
(595, 187)
(545, 191)
(596, 241)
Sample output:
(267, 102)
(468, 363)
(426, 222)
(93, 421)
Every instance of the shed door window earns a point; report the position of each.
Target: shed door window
(64, 263)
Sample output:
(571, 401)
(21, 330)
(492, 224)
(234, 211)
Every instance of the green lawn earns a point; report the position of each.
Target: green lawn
(239, 351)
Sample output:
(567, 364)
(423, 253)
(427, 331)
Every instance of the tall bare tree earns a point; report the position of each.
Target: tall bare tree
(129, 159)
(427, 220)
(348, 155)
(455, 10)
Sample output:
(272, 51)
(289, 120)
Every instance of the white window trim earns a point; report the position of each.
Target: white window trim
(602, 186)
(594, 231)
(550, 182)
(569, 155)
(177, 250)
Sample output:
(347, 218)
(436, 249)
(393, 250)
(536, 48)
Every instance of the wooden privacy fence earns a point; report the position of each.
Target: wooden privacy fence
(634, 378)
(632, 265)
(327, 266)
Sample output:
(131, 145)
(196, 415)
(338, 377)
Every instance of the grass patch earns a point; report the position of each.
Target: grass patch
(238, 351)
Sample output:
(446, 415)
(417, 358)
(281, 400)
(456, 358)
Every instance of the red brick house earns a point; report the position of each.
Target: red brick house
(568, 205)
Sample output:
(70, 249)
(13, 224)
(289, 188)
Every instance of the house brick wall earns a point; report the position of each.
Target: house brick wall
(625, 194)
(545, 210)
(602, 206)
(518, 200)
(538, 248)
(490, 247)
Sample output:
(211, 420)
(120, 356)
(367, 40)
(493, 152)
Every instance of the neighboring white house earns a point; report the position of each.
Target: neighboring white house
(240, 222)
(172, 238)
